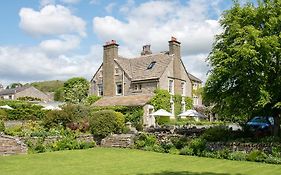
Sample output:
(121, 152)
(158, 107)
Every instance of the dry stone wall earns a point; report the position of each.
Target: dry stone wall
(119, 141)
(11, 145)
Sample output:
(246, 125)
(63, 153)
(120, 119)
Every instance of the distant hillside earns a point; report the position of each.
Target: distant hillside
(48, 86)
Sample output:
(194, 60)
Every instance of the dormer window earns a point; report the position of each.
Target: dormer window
(151, 65)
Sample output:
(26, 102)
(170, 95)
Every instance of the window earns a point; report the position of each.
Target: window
(183, 88)
(100, 90)
(137, 87)
(116, 71)
(10, 97)
(151, 65)
(119, 89)
(171, 86)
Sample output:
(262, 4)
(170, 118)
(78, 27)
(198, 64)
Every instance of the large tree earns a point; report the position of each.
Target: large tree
(76, 90)
(245, 75)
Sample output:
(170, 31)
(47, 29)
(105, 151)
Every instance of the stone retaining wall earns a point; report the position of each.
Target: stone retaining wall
(119, 141)
(11, 145)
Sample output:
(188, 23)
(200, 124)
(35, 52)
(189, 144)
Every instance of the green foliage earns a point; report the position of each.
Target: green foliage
(132, 114)
(186, 151)
(179, 143)
(120, 122)
(91, 99)
(162, 120)
(59, 94)
(161, 100)
(2, 126)
(177, 104)
(245, 61)
(215, 134)
(104, 122)
(188, 103)
(48, 86)
(3, 114)
(14, 131)
(198, 145)
(76, 90)
(145, 140)
(55, 118)
(257, 156)
(27, 98)
(23, 110)
(238, 155)
(14, 85)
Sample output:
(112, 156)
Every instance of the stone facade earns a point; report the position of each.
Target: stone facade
(119, 76)
(11, 145)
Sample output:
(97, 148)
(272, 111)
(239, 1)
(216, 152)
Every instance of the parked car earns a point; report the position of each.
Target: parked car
(261, 125)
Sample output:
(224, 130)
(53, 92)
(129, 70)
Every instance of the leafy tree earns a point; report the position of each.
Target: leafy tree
(161, 100)
(14, 85)
(59, 94)
(91, 99)
(76, 90)
(245, 76)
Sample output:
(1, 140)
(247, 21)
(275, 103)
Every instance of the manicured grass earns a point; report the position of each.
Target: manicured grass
(102, 161)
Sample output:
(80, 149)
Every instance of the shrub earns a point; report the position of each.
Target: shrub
(179, 143)
(55, 118)
(174, 150)
(91, 99)
(257, 156)
(104, 122)
(222, 154)
(27, 98)
(197, 145)
(14, 131)
(3, 114)
(276, 151)
(215, 134)
(238, 155)
(186, 151)
(162, 120)
(2, 126)
(120, 122)
(145, 139)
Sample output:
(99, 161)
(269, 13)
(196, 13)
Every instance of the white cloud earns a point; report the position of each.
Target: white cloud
(110, 7)
(51, 20)
(26, 64)
(154, 22)
(70, 1)
(62, 45)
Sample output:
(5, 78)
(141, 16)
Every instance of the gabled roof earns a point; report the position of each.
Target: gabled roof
(133, 100)
(137, 68)
(13, 91)
(193, 78)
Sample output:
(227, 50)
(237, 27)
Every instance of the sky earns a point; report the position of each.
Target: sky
(59, 39)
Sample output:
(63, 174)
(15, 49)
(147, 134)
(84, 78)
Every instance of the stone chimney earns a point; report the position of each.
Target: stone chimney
(175, 49)
(146, 50)
(110, 52)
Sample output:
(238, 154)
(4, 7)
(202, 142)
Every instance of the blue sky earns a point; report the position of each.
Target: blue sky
(59, 39)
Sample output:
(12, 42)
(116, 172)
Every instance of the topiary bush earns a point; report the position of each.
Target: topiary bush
(104, 122)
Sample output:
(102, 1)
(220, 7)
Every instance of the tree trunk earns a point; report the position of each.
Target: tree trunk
(276, 127)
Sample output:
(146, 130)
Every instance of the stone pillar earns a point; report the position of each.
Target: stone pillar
(172, 107)
(110, 52)
(174, 49)
(183, 103)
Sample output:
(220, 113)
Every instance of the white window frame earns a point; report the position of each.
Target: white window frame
(100, 90)
(183, 88)
(171, 86)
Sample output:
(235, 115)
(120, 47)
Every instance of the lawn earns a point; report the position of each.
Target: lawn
(102, 161)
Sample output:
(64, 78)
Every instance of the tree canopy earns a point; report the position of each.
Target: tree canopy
(76, 90)
(245, 75)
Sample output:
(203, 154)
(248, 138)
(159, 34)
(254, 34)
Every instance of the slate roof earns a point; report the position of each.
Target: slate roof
(136, 68)
(13, 91)
(193, 78)
(133, 100)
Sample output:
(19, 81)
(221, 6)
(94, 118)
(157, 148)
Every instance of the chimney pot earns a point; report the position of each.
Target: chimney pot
(146, 50)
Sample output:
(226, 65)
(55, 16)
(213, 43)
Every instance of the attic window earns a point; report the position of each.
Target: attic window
(151, 65)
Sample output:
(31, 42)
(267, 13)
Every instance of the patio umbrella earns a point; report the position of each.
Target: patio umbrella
(192, 113)
(162, 112)
(6, 107)
(51, 108)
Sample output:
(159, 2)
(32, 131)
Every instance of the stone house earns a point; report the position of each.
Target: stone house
(25, 91)
(125, 81)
